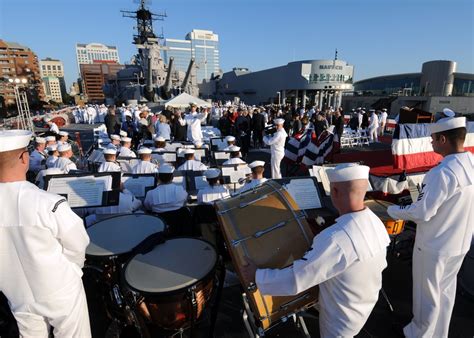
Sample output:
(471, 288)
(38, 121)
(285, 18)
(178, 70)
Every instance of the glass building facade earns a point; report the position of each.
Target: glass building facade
(201, 45)
(387, 85)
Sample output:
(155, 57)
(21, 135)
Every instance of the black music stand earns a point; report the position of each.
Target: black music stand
(139, 182)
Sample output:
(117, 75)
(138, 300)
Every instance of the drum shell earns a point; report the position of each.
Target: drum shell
(268, 205)
(379, 208)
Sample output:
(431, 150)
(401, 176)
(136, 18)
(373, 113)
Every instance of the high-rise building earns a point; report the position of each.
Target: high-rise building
(202, 45)
(52, 88)
(17, 61)
(95, 75)
(88, 53)
(53, 68)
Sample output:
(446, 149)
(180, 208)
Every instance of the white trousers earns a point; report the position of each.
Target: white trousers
(434, 292)
(275, 164)
(373, 135)
(66, 311)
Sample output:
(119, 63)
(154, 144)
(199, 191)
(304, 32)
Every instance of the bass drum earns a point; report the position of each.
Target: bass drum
(174, 281)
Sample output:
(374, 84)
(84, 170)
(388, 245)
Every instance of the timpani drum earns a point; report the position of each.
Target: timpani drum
(266, 225)
(379, 208)
(175, 281)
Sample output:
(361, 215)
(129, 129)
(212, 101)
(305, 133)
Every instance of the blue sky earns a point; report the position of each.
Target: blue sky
(377, 36)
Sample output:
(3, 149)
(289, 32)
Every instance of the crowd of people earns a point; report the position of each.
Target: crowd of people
(44, 241)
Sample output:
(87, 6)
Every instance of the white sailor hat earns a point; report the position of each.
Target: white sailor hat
(128, 113)
(52, 147)
(63, 133)
(255, 164)
(278, 121)
(230, 138)
(234, 149)
(123, 133)
(165, 169)
(212, 173)
(188, 151)
(145, 108)
(371, 110)
(46, 119)
(115, 137)
(160, 139)
(447, 123)
(14, 139)
(40, 140)
(384, 109)
(143, 122)
(143, 151)
(126, 139)
(110, 151)
(50, 139)
(348, 172)
(64, 147)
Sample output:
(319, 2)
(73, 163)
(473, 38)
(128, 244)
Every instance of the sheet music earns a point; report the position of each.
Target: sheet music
(200, 182)
(179, 180)
(137, 185)
(83, 191)
(199, 153)
(227, 171)
(169, 157)
(325, 181)
(316, 169)
(304, 193)
(236, 175)
(245, 169)
(219, 155)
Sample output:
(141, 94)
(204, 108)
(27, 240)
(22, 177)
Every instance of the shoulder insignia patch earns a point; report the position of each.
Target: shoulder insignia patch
(57, 204)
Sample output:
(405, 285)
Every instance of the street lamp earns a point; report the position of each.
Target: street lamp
(279, 97)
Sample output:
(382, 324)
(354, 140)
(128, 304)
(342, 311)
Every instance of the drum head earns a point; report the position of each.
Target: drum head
(118, 235)
(171, 266)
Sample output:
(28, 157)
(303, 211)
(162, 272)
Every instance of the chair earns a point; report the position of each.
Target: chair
(180, 222)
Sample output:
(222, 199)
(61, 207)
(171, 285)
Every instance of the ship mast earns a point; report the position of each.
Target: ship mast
(145, 18)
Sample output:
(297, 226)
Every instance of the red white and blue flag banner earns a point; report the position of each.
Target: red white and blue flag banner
(318, 150)
(411, 146)
(296, 145)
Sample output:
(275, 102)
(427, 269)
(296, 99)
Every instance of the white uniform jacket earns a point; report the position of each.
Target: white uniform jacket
(65, 164)
(126, 152)
(346, 260)
(210, 194)
(54, 128)
(37, 160)
(50, 161)
(235, 160)
(145, 167)
(165, 197)
(192, 165)
(252, 184)
(444, 211)
(374, 121)
(108, 167)
(277, 149)
(193, 121)
(42, 244)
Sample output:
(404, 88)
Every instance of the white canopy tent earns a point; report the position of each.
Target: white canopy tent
(183, 100)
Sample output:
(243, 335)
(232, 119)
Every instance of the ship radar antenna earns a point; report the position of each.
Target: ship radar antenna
(335, 55)
(145, 20)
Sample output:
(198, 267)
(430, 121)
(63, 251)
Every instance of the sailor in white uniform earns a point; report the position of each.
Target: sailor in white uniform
(214, 191)
(50, 140)
(43, 245)
(234, 156)
(193, 120)
(191, 163)
(373, 126)
(277, 147)
(346, 260)
(444, 213)
(115, 140)
(230, 142)
(39, 180)
(38, 156)
(53, 155)
(257, 168)
(167, 196)
(63, 162)
(63, 137)
(125, 150)
(383, 121)
(110, 164)
(160, 146)
(53, 127)
(144, 166)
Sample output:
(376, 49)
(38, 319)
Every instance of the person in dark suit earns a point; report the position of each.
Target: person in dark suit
(111, 122)
(257, 125)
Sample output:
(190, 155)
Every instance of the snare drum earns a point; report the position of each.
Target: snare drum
(379, 208)
(175, 281)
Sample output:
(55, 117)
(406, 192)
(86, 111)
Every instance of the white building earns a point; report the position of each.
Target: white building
(88, 53)
(202, 45)
(52, 88)
(54, 68)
